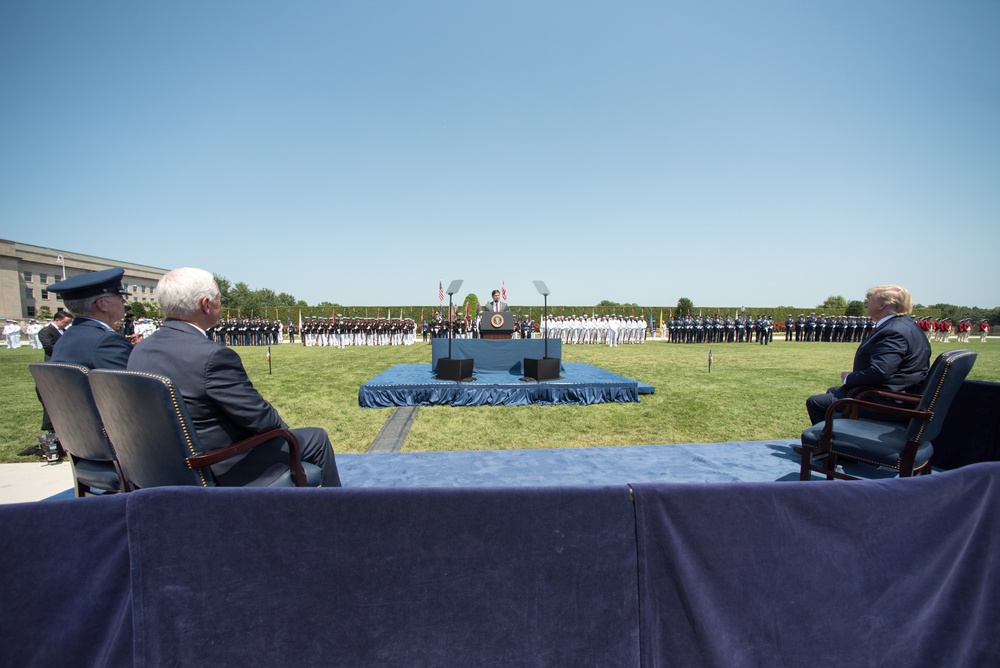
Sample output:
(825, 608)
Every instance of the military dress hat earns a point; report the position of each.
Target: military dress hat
(106, 281)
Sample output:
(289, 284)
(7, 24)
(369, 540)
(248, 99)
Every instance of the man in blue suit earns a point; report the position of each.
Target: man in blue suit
(98, 300)
(895, 357)
(222, 402)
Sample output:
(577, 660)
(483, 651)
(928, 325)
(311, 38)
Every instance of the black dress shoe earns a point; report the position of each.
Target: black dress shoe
(32, 451)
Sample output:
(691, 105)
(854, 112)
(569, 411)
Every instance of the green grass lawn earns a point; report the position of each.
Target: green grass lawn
(753, 393)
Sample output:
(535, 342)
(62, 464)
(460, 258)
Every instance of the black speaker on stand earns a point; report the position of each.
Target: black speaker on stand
(447, 368)
(546, 368)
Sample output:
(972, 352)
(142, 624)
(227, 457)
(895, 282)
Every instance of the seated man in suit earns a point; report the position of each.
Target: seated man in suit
(98, 300)
(223, 403)
(496, 304)
(896, 356)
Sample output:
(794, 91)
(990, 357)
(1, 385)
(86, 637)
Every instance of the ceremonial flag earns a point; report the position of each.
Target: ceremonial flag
(300, 321)
(661, 318)
(503, 291)
(421, 315)
(467, 313)
(440, 291)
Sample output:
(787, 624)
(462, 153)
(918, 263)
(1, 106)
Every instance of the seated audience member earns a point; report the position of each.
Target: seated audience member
(223, 403)
(98, 300)
(896, 356)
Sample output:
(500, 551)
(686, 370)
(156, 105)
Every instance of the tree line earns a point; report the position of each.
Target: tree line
(240, 300)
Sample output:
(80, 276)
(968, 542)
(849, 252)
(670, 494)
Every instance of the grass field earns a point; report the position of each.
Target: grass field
(753, 393)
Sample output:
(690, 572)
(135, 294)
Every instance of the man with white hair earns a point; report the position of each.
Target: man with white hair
(222, 402)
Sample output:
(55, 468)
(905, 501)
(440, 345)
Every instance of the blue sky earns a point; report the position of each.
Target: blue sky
(758, 153)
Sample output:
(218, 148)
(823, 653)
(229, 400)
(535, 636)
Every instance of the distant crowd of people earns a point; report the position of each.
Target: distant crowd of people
(610, 330)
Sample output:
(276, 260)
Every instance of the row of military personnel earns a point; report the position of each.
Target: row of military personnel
(609, 330)
(699, 329)
(835, 329)
(342, 332)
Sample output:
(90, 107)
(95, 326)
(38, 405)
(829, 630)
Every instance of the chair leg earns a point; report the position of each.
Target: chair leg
(805, 470)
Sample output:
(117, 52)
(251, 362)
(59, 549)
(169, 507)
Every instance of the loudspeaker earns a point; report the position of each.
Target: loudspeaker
(546, 368)
(457, 370)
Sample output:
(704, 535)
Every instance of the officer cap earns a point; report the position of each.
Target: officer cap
(106, 281)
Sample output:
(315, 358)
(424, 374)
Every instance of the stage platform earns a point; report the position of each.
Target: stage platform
(415, 385)
(738, 461)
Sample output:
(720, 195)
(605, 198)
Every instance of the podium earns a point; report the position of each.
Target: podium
(496, 325)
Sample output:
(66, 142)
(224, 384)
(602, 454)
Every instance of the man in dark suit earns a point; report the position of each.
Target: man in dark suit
(496, 304)
(222, 402)
(48, 336)
(895, 357)
(98, 300)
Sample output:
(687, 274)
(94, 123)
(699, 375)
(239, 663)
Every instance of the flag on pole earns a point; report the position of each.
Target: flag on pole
(421, 315)
(440, 291)
(503, 291)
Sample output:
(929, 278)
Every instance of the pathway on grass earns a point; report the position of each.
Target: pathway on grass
(394, 432)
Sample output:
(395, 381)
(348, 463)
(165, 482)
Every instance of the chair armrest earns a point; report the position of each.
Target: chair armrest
(826, 438)
(855, 391)
(889, 394)
(840, 404)
(222, 454)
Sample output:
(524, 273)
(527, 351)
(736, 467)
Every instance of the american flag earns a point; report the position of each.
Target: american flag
(503, 291)
(440, 291)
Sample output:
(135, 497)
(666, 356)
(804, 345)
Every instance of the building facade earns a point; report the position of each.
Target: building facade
(26, 273)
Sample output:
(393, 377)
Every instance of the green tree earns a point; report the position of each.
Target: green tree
(834, 305)
(684, 306)
(224, 286)
(855, 308)
(473, 304)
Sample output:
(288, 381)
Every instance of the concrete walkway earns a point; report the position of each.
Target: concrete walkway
(34, 481)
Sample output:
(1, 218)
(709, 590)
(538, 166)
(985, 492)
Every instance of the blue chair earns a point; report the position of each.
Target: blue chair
(905, 446)
(65, 393)
(157, 444)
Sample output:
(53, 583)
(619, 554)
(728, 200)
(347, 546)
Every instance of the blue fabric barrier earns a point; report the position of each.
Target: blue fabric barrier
(870, 573)
(874, 573)
(66, 598)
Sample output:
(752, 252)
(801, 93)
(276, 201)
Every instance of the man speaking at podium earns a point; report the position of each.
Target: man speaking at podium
(496, 305)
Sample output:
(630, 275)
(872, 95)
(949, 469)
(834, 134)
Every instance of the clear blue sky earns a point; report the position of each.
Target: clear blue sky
(732, 152)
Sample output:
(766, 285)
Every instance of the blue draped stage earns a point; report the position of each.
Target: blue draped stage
(415, 385)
